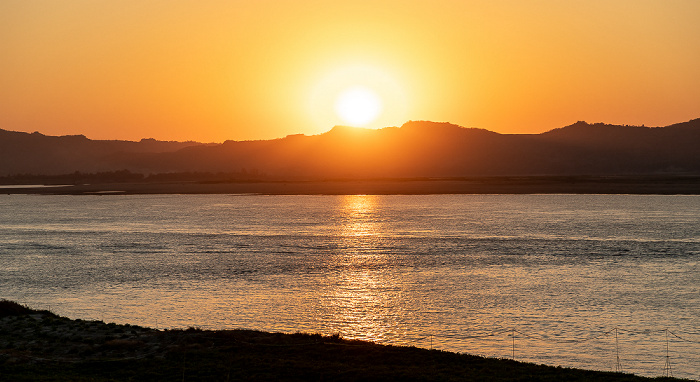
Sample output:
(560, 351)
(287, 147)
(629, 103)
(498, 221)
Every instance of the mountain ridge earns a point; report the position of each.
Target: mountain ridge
(415, 149)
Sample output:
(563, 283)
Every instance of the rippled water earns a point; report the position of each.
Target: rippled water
(544, 278)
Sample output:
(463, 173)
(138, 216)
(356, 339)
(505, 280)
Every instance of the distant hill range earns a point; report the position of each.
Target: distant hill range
(416, 149)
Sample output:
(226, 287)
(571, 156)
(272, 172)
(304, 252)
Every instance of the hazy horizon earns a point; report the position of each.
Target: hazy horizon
(359, 128)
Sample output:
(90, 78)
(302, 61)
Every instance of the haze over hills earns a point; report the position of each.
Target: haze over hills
(35, 153)
(416, 149)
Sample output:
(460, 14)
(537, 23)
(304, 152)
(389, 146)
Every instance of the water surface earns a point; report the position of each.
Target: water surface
(544, 278)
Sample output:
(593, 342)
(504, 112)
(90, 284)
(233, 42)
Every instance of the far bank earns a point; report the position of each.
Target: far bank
(662, 185)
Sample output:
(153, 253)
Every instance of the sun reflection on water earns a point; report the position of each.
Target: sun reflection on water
(364, 301)
(359, 215)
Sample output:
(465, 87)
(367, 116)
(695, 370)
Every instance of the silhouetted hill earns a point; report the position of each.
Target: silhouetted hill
(605, 148)
(35, 153)
(416, 149)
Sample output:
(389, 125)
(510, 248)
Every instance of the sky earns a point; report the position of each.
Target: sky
(211, 70)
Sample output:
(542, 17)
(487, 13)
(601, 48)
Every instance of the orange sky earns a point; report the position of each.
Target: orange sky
(215, 70)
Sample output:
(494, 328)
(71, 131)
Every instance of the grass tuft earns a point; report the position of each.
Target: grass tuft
(11, 308)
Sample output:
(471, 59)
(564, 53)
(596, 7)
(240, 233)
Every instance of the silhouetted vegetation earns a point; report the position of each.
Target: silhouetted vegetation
(39, 346)
(126, 176)
(11, 308)
(227, 184)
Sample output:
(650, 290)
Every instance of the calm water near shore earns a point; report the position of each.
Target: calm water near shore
(571, 280)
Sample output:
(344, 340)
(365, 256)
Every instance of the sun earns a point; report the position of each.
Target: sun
(358, 95)
(358, 106)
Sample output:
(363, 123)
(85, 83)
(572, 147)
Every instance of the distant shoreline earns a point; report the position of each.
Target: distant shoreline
(641, 185)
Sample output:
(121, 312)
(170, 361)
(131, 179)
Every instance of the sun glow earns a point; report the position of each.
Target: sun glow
(358, 106)
(357, 95)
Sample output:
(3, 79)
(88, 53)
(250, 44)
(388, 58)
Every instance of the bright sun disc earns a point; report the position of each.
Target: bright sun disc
(358, 106)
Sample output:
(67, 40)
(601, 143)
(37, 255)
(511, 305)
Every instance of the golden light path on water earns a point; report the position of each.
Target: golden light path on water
(359, 293)
(360, 212)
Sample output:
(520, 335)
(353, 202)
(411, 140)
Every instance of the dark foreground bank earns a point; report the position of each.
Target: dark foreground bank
(40, 346)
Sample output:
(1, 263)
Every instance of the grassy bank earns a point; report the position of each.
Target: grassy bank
(41, 346)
